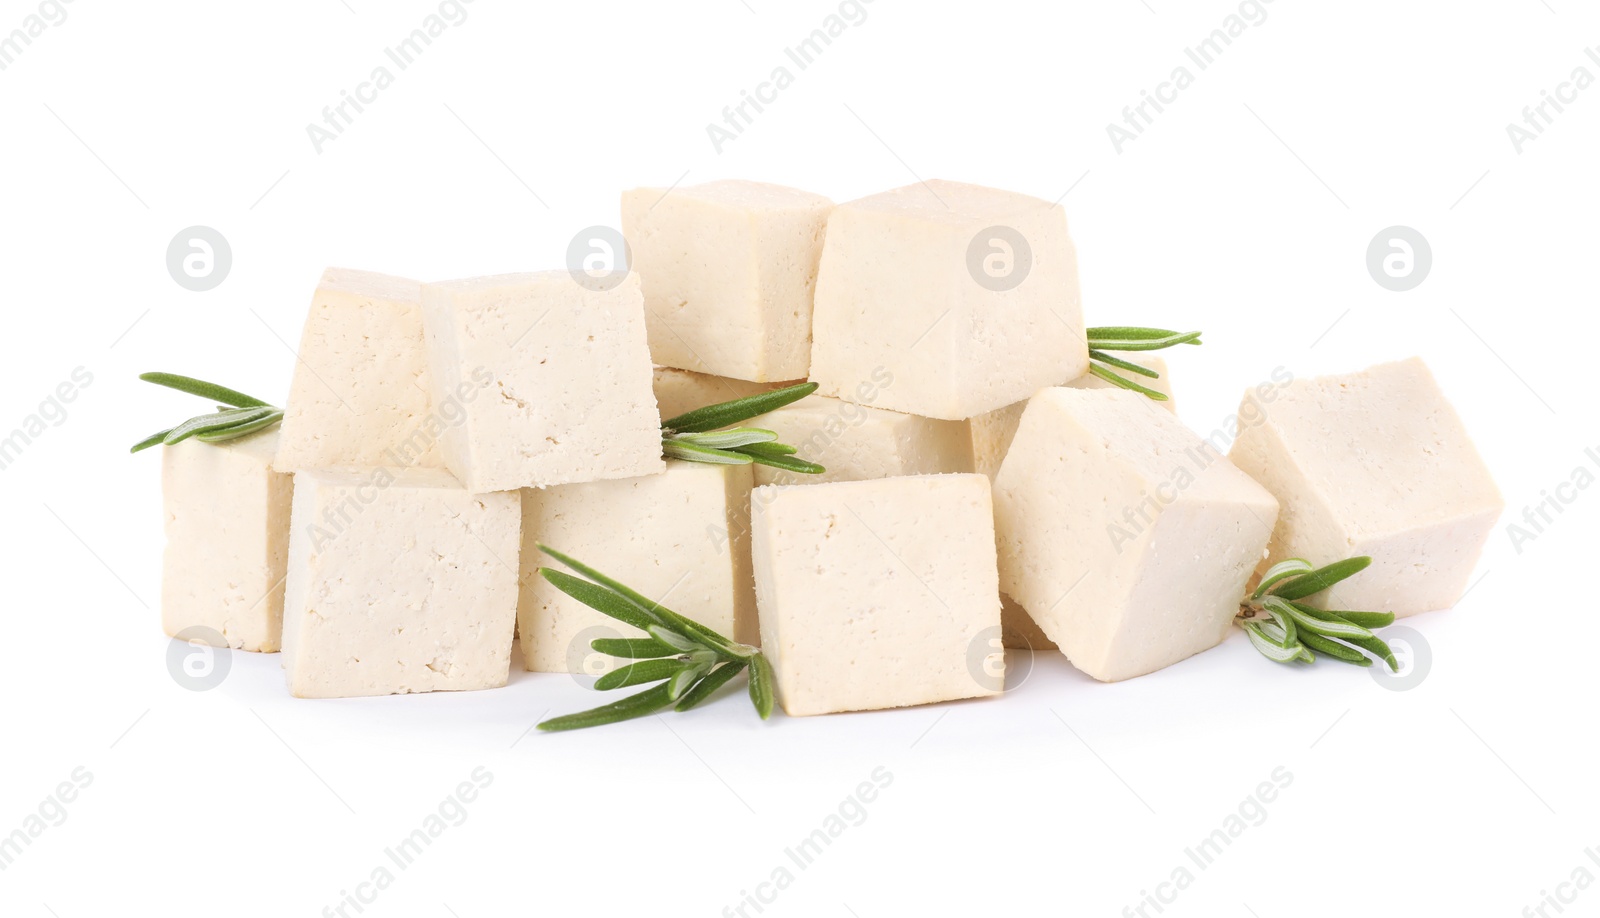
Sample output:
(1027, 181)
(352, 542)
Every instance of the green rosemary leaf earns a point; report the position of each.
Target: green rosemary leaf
(1268, 649)
(1320, 579)
(1127, 332)
(726, 439)
(1285, 622)
(680, 683)
(1335, 649)
(1328, 627)
(637, 705)
(741, 409)
(1121, 364)
(609, 602)
(211, 422)
(1307, 655)
(664, 616)
(1376, 646)
(769, 450)
(242, 428)
(1125, 383)
(677, 449)
(633, 648)
(790, 464)
(672, 639)
(702, 690)
(1144, 344)
(1277, 572)
(1277, 633)
(154, 439)
(640, 673)
(762, 690)
(1368, 620)
(203, 389)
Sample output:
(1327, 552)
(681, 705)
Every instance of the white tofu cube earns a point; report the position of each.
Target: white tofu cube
(360, 395)
(1126, 538)
(1372, 463)
(856, 442)
(679, 391)
(992, 432)
(968, 295)
(679, 538)
(227, 532)
(878, 594)
(566, 377)
(400, 580)
(729, 271)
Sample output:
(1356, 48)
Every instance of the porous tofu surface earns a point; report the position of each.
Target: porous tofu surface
(729, 272)
(858, 442)
(877, 594)
(680, 538)
(898, 288)
(1375, 463)
(1127, 540)
(552, 379)
(361, 390)
(227, 528)
(399, 580)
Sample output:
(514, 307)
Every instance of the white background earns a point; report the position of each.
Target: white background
(1245, 209)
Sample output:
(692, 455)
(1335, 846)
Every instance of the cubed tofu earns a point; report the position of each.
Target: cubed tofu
(227, 542)
(361, 390)
(1372, 463)
(729, 270)
(856, 442)
(679, 391)
(565, 377)
(878, 594)
(680, 538)
(992, 432)
(1126, 538)
(967, 295)
(400, 580)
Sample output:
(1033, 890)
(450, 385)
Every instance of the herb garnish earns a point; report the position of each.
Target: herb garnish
(1286, 630)
(236, 416)
(1131, 338)
(689, 660)
(695, 436)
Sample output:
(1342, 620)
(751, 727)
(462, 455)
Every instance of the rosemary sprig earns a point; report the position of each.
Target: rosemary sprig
(697, 435)
(237, 414)
(1285, 630)
(1131, 338)
(687, 660)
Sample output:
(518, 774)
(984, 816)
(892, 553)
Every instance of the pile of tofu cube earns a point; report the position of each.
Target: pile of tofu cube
(982, 491)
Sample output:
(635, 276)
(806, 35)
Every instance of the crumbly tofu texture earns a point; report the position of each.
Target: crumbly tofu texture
(551, 379)
(865, 605)
(895, 292)
(993, 431)
(680, 391)
(730, 269)
(680, 538)
(1124, 537)
(400, 580)
(1373, 463)
(857, 442)
(227, 527)
(361, 389)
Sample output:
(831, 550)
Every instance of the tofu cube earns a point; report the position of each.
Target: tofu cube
(866, 602)
(400, 580)
(729, 271)
(967, 295)
(992, 432)
(856, 442)
(680, 538)
(679, 391)
(1126, 538)
(552, 380)
(1372, 463)
(227, 527)
(360, 395)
